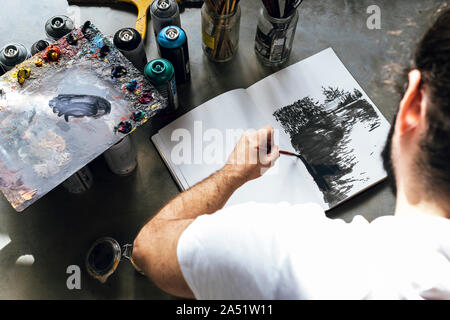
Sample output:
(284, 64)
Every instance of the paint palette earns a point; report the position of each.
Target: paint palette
(65, 106)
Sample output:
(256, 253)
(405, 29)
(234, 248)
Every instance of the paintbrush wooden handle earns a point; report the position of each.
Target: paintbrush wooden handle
(92, 2)
(141, 22)
(142, 6)
(286, 153)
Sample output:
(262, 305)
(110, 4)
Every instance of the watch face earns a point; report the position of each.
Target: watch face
(102, 258)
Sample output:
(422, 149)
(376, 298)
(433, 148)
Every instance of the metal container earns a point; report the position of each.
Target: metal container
(274, 38)
(130, 43)
(12, 54)
(220, 33)
(38, 46)
(121, 157)
(164, 13)
(80, 181)
(173, 46)
(58, 26)
(161, 74)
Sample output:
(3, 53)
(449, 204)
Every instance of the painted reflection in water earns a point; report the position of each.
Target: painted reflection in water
(322, 132)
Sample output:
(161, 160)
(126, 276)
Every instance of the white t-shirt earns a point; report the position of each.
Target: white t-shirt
(283, 251)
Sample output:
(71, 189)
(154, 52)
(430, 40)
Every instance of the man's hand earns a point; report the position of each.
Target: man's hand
(155, 247)
(254, 154)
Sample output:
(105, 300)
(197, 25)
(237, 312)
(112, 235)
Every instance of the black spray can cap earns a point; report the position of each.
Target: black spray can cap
(164, 8)
(58, 26)
(127, 39)
(13, 54)
(39, 46)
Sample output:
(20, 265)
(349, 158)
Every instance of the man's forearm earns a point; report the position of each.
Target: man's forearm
(155, 247)
(157, 241)
(206, 197)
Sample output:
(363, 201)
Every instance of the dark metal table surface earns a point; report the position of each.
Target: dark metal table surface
(58, 230)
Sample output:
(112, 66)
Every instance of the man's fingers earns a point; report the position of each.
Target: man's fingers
(268, 132)
(274, 155)
(265, 137)
(267, 159)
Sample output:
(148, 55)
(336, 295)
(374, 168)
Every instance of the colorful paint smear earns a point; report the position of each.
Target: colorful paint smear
(67, 112)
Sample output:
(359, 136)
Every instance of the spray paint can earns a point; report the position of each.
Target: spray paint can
(58, 26)
(80, 181)
(173, 46)
(164, 13)
(12, 54)
(121, 157)
(161, 74)
(130, 43)
(38, 46)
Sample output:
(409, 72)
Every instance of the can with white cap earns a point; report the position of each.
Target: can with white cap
(121, 157)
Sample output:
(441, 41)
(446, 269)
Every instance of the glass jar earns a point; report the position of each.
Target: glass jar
(220, 34)
(274, 38)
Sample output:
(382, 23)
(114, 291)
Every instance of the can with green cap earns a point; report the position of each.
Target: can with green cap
(161, 74)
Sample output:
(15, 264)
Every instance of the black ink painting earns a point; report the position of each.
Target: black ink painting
(322, 130)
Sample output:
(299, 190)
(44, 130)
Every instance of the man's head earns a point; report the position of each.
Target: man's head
(417, 153)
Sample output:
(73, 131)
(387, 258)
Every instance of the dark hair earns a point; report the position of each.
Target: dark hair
(432, 59)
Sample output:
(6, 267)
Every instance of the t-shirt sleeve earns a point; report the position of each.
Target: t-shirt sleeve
(269, 251)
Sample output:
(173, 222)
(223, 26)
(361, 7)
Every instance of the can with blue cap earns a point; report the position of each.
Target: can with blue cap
(173, 46)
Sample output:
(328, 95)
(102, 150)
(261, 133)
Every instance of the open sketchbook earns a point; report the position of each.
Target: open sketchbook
(317, 109)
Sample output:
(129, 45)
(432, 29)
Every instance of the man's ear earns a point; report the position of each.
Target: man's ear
(409, 114)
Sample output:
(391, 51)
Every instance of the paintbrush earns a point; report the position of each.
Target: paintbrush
(141, 5)
(284, 152)
(292, 7)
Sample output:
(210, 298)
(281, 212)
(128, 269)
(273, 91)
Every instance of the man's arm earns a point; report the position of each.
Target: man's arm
(155, 247)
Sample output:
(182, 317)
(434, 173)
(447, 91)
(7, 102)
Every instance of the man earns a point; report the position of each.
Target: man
(195, 248)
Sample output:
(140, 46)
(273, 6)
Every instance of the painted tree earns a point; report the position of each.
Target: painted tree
(295, 116)
(322, 138)
(332, 94)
